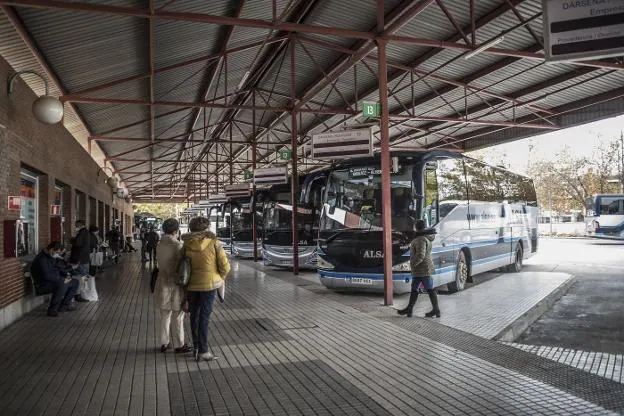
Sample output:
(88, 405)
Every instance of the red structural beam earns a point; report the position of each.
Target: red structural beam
(94, 100)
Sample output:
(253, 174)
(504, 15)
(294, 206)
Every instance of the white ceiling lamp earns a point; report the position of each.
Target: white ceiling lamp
(46, 109)
(241, 84)
(485, 46)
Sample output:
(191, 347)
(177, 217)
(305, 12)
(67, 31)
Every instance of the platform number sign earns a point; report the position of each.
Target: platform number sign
(284, 154)
(371, 109)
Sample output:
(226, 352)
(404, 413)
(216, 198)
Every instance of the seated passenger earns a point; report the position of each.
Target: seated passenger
(50, 277)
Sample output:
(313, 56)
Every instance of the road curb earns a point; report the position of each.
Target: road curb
(517, 328)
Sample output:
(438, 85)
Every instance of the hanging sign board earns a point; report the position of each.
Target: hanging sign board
(342, 144)
(239, 189)
(583, 29)
(216, 199)
(271, 176)
(15, 203)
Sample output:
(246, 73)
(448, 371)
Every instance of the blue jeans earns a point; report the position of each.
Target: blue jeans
(83, 270)
(426, 281)
(200, 306)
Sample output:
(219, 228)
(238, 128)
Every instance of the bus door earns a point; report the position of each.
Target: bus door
(509, 229)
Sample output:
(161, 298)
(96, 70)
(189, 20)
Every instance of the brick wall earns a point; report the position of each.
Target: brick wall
(52, 153)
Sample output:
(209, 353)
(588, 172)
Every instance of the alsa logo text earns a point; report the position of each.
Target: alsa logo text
(373, 254)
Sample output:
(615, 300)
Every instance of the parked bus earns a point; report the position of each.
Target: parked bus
(277, 239)
(605, 216)
(242, 231)
(485, 218)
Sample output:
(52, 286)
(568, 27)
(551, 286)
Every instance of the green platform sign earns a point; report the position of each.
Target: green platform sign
(248, 174)
(284, 154)
(371, 109)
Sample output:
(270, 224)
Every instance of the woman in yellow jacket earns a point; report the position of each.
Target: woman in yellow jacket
(209, 267)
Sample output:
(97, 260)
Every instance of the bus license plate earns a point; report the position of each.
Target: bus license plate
(361, 281)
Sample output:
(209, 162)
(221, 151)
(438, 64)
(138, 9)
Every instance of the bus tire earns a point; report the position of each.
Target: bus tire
(461, 274)
(516, 266)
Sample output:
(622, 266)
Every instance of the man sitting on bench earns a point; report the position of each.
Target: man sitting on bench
(51, 277)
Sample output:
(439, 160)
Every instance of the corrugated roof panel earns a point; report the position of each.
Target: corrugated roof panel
(178, 41)
(88, 49)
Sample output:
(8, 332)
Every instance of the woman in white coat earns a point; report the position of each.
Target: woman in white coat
(169, 295)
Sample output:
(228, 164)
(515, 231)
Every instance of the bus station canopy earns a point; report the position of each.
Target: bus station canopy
(174, 96)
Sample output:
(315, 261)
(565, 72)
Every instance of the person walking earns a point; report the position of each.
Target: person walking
(169, 295)
(422, 268)
(152, 238)
(209, 268)
(114, 242)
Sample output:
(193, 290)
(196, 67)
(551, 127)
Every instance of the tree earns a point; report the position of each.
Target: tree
(163, 211)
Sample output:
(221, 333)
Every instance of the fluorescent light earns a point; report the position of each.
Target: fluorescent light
(485, 46)
(243, 80)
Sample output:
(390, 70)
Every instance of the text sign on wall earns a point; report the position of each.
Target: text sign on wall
(342, 144)
(15, 203)
(271, 176)
(583, 29)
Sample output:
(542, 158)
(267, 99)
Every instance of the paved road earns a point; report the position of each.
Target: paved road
(591, 315)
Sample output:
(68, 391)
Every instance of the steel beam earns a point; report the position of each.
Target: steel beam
(386, 197)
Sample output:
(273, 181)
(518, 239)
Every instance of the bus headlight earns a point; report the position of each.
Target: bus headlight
(402, 267)
(323, 264)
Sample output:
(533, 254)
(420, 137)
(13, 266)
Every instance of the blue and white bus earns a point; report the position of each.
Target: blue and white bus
(485, 218)
(277, 238)
(605, 216)
(241, 222)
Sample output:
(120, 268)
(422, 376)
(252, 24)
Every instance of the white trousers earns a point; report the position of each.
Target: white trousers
(175, 321)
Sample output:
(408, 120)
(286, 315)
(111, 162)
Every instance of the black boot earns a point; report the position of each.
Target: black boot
(410, 305)
(433, 297)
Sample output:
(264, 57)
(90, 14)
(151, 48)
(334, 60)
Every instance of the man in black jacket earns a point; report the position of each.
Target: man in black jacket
(51, 277)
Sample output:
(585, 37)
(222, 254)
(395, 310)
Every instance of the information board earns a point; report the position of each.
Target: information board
(583, 29)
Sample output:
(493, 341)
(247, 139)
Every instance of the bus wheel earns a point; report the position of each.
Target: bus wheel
(461, 274)
(516, 266)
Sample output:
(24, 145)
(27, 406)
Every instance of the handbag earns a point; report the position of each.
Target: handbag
(184, 271)
(220, 289)
(96, 258)
(89, 291)
(153, 280)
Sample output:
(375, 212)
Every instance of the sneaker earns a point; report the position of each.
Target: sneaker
(183, 349)
(79, 298)
(67, 308)
(207, 356)
(164, 348)
(52, 312)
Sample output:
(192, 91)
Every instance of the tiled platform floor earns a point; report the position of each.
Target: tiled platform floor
(484, 310)
(610, 366)
(283, 349)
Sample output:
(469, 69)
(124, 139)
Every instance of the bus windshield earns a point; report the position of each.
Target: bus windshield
(242, 221)
(353, 200)
(278, 217)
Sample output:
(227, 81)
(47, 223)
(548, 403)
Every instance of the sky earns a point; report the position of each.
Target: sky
(581, 140)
